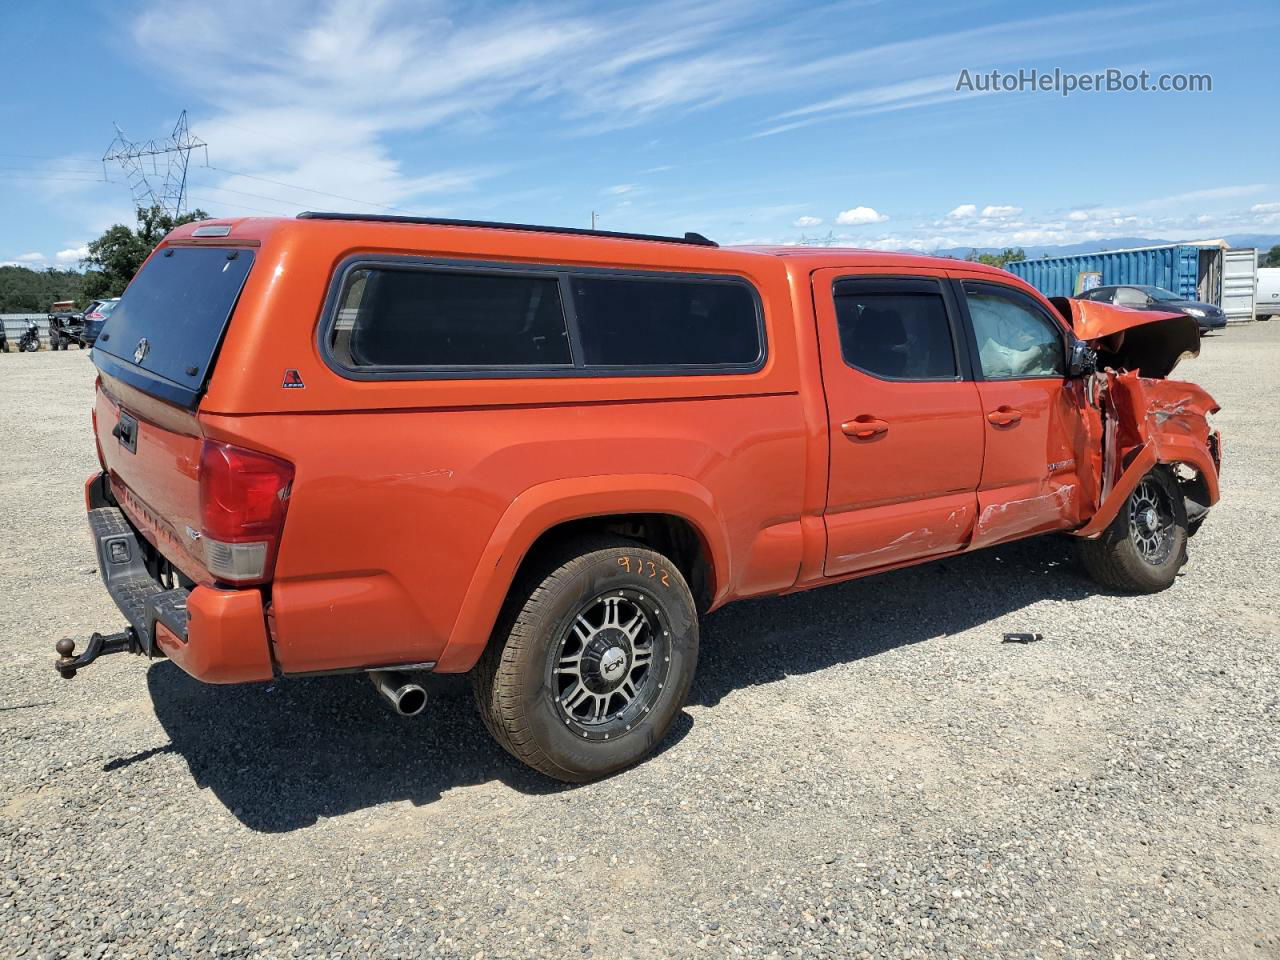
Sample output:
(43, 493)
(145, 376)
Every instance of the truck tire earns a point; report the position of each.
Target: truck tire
(1145, 546)
(591, 659)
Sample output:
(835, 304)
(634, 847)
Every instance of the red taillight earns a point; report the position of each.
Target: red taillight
(93, 316)
(243, 498)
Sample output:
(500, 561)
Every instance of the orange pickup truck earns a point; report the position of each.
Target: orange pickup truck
(342, 444)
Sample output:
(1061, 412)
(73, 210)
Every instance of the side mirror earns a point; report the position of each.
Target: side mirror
(1081, 360)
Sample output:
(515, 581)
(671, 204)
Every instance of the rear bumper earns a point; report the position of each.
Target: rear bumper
(218, 636)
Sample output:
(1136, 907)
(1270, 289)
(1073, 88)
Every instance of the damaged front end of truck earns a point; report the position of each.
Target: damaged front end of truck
(1135, 418)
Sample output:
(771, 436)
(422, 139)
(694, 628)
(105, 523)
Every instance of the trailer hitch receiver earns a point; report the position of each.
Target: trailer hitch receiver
(69, 661)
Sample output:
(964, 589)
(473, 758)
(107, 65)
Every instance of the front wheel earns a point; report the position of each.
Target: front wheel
(1145, 546)
(591, 660)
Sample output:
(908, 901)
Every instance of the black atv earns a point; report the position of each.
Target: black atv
(66, 329)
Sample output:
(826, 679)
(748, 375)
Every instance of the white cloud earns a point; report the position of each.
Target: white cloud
(1210, 193)
(858, 216)
(807, 222)
(72, 254)
(964, 211)
(904, 93)
(999, 210)
(32, 257)
(1079, 216)
(1265, 208)
(1007, 42)
(620, 189)
(335, 82)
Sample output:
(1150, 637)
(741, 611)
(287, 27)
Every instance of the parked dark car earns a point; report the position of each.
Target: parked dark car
(95, 315)
(1206, 315)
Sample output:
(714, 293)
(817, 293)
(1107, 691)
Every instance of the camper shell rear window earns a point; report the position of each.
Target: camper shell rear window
(404, 318)
(164, 334)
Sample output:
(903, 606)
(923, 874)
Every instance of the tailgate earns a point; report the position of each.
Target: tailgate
(151, 452)
(155, 353)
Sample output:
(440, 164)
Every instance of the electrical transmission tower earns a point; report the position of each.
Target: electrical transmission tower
(157, 169)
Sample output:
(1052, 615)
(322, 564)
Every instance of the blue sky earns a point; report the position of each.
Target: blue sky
(747, 121)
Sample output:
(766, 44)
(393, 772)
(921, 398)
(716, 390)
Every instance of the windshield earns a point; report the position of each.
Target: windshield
(105, 307)
(1160, 293)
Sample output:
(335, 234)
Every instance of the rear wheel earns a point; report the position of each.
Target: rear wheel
(1145, 546)
(591, 660)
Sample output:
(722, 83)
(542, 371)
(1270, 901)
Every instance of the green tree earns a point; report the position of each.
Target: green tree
(1272, 258)
(1007, 255)
(23, 290)
(116, 255)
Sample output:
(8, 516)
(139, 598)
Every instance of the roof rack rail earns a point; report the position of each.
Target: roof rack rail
(695, 239)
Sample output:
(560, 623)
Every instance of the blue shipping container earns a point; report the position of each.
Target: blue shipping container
(1175, 268)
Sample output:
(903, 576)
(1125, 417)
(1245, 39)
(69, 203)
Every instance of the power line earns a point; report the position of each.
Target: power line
(292, 186)
(58, 179)
(201, 201)
(254, 196)
(46, 170)
(293, 143)
(37, 156)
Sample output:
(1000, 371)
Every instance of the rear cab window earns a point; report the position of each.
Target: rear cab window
(896, 328)
(404, 319)
(163, 335)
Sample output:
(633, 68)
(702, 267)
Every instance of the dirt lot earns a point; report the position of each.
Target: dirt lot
(863, 770)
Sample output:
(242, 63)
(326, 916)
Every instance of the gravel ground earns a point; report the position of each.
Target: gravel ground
(863, 770)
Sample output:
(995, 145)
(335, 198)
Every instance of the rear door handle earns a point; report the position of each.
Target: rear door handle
(864, 427)
(1004, 416)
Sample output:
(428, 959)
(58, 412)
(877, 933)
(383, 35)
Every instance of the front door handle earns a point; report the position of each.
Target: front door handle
(1004, 416)
(864, 427)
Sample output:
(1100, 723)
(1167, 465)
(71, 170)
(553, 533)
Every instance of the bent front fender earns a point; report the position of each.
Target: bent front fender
(1166, 421)
(546, 505)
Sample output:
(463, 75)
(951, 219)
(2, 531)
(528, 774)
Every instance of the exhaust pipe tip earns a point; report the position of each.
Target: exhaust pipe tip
(406, 697)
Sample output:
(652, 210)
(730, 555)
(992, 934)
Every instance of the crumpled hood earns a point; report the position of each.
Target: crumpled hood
(1149, 341)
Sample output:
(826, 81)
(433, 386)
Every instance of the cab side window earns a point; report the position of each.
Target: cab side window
(895, 329)
(1015, 340)
(1130, 297)
(443, 318)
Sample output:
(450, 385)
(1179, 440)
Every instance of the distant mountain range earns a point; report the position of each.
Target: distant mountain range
(1262, 241)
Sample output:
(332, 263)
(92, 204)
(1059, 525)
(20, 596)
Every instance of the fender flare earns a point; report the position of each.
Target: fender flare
(549, 504)
(1151, 454)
